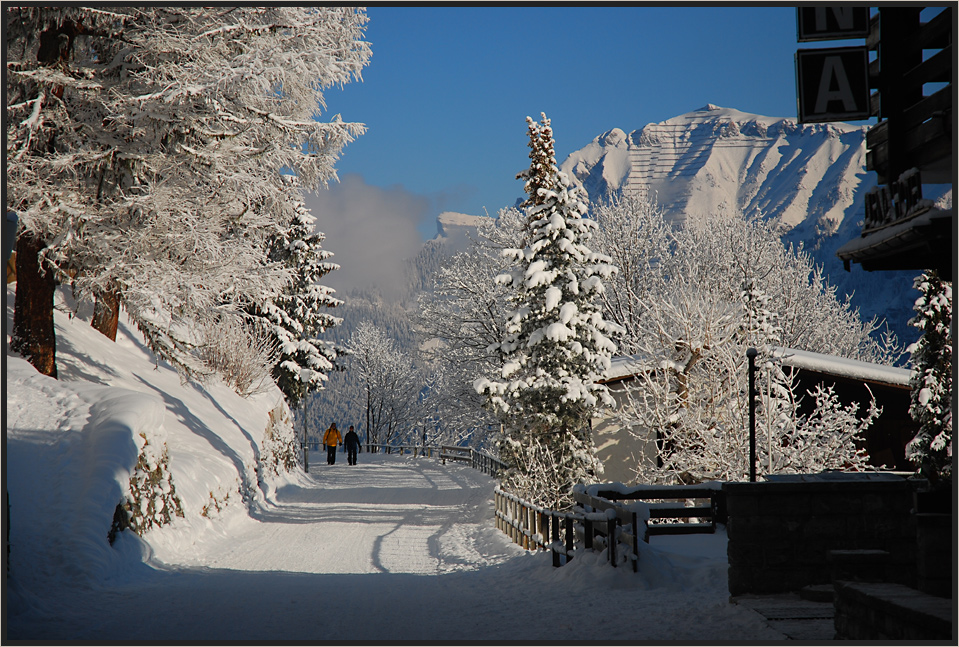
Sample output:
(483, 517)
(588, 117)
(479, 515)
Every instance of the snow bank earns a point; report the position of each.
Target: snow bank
(73, 444)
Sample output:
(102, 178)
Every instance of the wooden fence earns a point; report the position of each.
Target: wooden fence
(478, 460)
(669, 503)
(599, 524)
(415, 450)
(603, 520)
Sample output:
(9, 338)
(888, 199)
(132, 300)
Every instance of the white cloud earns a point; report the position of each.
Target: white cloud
(370, 230)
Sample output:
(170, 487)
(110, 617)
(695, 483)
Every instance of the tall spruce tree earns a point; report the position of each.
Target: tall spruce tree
(556, 346)
(932, 385)
(296, 318)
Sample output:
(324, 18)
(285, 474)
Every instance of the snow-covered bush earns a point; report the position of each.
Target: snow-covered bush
(932, 385)
(243, 356)
(698, 298)
(152, 501)
(556, 345)
(279, 451)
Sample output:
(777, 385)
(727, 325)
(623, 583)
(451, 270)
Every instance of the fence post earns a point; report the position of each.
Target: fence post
(588, 533)
(611, 527)
(522, 525)
(570, 537)
(636, 543)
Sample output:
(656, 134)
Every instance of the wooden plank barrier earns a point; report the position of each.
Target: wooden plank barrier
(536, 528)
(670, 504)
(612, 523)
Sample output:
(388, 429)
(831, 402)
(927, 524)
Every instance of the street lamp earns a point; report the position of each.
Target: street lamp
(751, 357)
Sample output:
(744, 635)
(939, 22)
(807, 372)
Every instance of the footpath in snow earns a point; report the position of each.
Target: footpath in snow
(393, 549)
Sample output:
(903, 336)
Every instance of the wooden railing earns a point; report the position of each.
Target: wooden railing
(669, 503)
(597, 525)
(604, 519)
(478, 460)
(415, 450)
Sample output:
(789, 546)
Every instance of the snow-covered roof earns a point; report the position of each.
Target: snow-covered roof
(843, 367)
(627, 366)
(900, 233)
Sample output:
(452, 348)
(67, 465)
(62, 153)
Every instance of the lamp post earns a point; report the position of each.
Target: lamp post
(751, 357)
(306, 437)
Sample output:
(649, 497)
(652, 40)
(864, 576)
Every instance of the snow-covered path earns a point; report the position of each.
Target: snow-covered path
(384, 515)
(393, 549)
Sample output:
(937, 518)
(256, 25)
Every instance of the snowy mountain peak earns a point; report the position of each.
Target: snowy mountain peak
(701, 160)
(808, 180)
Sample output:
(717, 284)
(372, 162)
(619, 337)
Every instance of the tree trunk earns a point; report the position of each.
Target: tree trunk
(106, 314)
(33, 332)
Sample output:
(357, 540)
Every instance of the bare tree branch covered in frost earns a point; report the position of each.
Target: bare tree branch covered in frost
(695, 300)
(461, 320)
(556, 345)
(932, 379)
(146, 147)
(386, 384)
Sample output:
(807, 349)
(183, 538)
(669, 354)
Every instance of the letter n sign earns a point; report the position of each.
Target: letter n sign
(823, 22)
(832, 84)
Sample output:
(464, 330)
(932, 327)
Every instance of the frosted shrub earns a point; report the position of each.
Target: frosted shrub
(696, 299)
(279, 451)
(241, 355)
(153, 501)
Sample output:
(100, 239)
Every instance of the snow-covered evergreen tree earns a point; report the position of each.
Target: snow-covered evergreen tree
(557, 345)
(932, 382)
(300, 314)
(146, 148)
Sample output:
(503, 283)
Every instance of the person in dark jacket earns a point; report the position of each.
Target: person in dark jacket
(352, 442)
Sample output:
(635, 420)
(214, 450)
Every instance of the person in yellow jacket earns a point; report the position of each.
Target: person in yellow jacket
(331, 439)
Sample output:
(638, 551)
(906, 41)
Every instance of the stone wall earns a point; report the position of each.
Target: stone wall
(780, 533)
(883, 611)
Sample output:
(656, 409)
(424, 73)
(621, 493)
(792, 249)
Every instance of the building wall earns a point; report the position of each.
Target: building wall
(885, 439)
(618, 447)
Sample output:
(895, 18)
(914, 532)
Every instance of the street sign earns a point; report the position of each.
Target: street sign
(831, 23)
(833, 84)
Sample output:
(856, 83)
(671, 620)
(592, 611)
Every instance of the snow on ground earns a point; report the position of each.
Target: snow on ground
(392, 549)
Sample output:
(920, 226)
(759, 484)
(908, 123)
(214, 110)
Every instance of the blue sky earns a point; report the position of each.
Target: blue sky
(448, 89)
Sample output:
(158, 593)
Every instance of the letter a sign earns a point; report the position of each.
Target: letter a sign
(833, 84)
